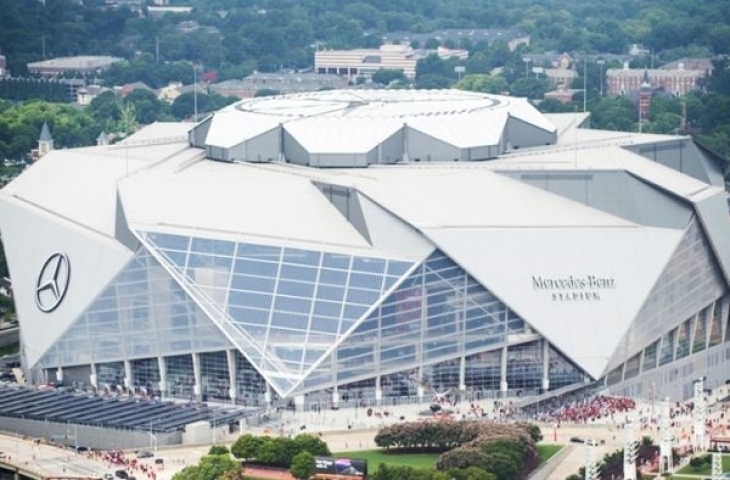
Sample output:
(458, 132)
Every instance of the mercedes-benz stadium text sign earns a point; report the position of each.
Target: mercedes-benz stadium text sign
(574, 288)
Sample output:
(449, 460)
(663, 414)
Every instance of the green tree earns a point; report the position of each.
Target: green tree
(471, 473)
(246, 447)
(314, 445)
(480, 82)
(302, 466)
(218, 450)
(385, 76)
(210, 467)
(530, 87)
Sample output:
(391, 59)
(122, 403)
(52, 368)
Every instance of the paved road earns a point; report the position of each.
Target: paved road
(47, 460)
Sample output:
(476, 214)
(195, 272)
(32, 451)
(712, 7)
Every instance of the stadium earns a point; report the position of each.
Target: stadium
(347, 246)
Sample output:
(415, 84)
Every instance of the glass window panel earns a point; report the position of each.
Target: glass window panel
(481, 343)
(258, 252)
(333, 277)
(302, 257)
(333, 293)
(650, 357)
(400, 354)
(215, 247)
(249, 315)
(700, 331)
(299, 273)
(252, 267)
(253, 284)
(632, 367)
(327, 309)
(396, 268)
(367, 281)
(166, 241)
(715, 323)
(295, 289)
(325, 325)
(667, 348)
(335, 260)
(176, 258)
(293, 304)
(249, 299)
(353, 312)
(683, 340)
(439, 261)
(290, 320)
(209, 261)
(372, 265)
(363, 297)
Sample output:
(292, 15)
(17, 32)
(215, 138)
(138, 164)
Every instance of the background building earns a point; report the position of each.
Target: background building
(281, 82)
(84, 65)
(677, 80)
(455, 241)
(366, 61)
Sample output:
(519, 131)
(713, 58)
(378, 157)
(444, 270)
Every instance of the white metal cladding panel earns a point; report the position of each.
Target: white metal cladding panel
(342, 134)
(244, 201)
(580, 288)
(525, 135)
(294, 151)
(325, 160)
(463, 197)
(264, 147)
(522, 109)
(712, 211)
(474, 129)
(423, 147)
(77, 184)
(391, 234)
(231, 127)
(30, 237)
(663, 177)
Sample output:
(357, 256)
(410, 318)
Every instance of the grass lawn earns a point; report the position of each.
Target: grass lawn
(546, 450)
(423, 460)
(376, 457)
(706, 468)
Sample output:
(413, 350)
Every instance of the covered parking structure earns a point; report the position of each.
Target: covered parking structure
(58, 415)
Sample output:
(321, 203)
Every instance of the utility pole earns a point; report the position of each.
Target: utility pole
(585, 83)
(195, 93)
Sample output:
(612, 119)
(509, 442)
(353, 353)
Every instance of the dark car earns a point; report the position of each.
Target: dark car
(121, 474)
(577, 440)
(145, 454)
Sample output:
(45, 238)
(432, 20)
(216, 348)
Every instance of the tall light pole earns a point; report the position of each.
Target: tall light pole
(527, 61)
(600, 63)
(195, 93)
(585, 83)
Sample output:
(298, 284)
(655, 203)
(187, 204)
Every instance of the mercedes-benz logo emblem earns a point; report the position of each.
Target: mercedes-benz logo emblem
(52, 282)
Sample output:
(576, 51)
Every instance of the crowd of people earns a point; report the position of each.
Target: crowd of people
(588, 410)
(116, 459)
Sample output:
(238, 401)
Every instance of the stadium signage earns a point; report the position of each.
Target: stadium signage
(52, 282)
(338, 468)
(574, 288)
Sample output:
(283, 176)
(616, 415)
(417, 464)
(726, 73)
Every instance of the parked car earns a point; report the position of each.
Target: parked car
(121, 474)
(145, 454)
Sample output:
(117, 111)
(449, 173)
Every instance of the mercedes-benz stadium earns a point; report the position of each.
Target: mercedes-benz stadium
(349, 245)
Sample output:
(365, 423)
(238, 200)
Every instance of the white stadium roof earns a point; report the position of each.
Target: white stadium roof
(572, 202)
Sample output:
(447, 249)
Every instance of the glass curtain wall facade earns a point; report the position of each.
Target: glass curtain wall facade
(690, 290)
(190, 315)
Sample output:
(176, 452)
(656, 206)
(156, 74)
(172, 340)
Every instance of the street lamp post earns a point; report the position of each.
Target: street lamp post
(585, 83)
(527, 61)
(600, 63)
(195, 93)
